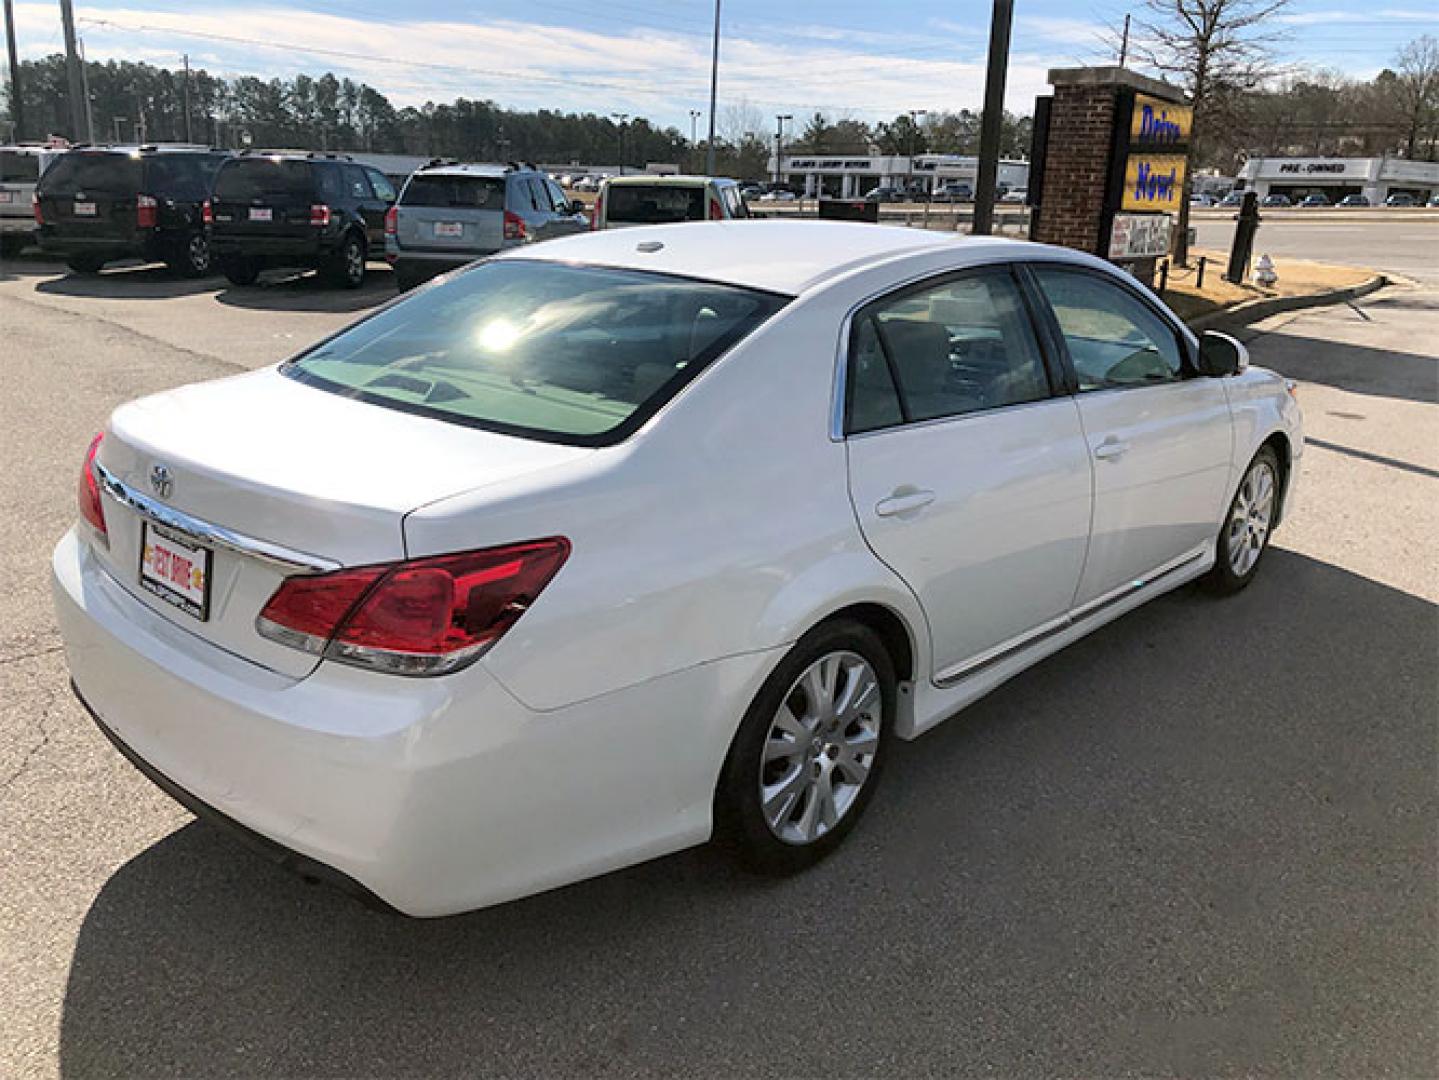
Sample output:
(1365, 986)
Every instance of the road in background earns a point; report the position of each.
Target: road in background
(1200, 842)
(1405, 243)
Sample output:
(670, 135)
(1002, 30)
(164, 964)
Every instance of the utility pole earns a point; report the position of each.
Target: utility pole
(72, 68)
(85, 89)
(991, 124)
(17, 105)
(695, 115)
(1124, 43)
(914, 115)
(185, 94)
(779, 146)
(714, 94)
(619, 118)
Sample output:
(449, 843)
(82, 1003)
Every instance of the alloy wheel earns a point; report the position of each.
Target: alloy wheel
(821, 747)
(1250, 520)
(198, 252)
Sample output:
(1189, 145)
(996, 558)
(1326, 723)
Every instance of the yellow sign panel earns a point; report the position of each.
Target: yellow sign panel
(1159, 123)
(1154, 182)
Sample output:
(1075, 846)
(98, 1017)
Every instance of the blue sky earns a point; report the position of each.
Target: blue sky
(868, 59)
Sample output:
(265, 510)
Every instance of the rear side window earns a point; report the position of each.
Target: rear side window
(356, 185)
(264, 178)
(381, 183)
(179, 176)
(332, 189)
(19, 168)
(455, 192)
(572, 354)
(107, 174)
(657, 204)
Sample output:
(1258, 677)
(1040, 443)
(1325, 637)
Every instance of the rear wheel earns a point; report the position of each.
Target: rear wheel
(85, 264)
(805, 761)
(1244, 537)
(346, 267)
(191, 256)
(240, 271)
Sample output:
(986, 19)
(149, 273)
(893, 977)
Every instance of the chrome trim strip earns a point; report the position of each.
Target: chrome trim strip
(206, 533)
(951, 675)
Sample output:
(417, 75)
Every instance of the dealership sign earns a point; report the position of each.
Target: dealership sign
(1139, 236)
(1155, 123)
(1154, 182)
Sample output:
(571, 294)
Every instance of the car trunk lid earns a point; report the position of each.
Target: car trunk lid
(92, 194)
(444, 213)
(264, 196)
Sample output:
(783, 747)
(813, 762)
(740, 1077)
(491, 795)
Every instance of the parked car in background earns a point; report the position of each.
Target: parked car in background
(450, 214)
(96, 205)
(666, 200)
(600, 547)
(587, 183)
(20, 169)
(1015, 195)
(1234, 199)
(296, 210)
(1202, 201)
(884, 193)
(1353, 200)
(751, 190)
(779, 194)
(1401, 198)
(1277, 201)
(954, 191)
(1314, 199)
(1434, 199)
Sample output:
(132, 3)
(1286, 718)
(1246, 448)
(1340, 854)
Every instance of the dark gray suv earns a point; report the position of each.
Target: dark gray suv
(450, 214)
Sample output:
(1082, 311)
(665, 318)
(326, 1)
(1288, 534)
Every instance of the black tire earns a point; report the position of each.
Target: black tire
(741, 825)
(345, 268)
(85, 265)
(240, 272)
(11, 245)
(190, 256)
(1233, 569)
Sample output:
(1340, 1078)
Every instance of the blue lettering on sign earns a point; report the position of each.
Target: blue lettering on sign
(1151, 186)
(1158, 128)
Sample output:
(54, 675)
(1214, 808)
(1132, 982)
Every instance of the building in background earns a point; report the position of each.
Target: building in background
(1374, 178)
(849, 176)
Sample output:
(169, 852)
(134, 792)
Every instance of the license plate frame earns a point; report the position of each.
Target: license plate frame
(83, 209)
(159, 562)
(450, 230)
(264, 214)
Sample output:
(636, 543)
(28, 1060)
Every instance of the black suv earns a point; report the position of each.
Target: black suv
(98, 204)
(315, 211)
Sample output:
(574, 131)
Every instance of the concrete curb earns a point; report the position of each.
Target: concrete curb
(1252, 311)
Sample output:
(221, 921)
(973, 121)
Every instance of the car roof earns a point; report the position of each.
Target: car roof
(787, 257)
(471, 168)
(134, 150)
(668, 180)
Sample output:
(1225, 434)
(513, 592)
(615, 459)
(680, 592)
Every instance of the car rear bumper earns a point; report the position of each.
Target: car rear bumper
(10, 224)
(297, 250)
(436, 795)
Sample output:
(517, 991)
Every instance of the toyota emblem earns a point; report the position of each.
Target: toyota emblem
(161, 482)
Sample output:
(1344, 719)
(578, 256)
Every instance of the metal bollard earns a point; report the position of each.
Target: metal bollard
(1163, 276)
(1199, 277)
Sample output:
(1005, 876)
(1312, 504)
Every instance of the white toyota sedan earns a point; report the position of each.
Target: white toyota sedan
(603, 547)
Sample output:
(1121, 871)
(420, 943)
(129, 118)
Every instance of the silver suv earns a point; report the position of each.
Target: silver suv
(20, 168)
(450, 214)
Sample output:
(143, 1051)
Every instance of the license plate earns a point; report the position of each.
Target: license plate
(7, 196)
(452, 229)
(84, 209)
(175, 570)
(261, 213)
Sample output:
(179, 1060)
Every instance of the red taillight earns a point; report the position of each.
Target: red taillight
(87, 492)
(427, 616)
(319, 215)
(145, 211)
(207, 213)
(597, 211)
(716, 213)
(35, 209)
(515, 227)
(392, 221)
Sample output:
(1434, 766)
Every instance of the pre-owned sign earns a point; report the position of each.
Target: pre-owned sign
(1154, 182)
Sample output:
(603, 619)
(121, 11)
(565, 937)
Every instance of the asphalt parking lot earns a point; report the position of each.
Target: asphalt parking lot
(1204, 841)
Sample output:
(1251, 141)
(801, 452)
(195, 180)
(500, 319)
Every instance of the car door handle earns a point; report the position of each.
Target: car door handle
(1111, 448)
(903, 502)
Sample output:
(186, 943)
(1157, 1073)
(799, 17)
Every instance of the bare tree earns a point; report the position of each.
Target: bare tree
(1218, 51)
(1415, 89)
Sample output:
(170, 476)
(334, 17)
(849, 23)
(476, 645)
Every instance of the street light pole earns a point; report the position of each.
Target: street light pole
(619, 118)
(714, 94)
(914, 115)
(695, 115)
(17, 106)
(779, 145)
(992, 121)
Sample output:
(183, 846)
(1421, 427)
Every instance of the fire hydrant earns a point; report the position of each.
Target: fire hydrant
(1264, 275)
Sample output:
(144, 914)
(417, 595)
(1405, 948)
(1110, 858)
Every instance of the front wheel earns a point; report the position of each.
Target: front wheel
(806, 759)
(1244, 537)
(347, 266)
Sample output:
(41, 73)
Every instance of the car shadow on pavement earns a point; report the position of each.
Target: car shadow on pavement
(148, 281)
(1201, 841)
(297, 291)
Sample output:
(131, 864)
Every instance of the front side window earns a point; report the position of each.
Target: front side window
(958, 347)
(573, 354)
(1115, 340)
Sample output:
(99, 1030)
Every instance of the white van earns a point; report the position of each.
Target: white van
(665, 200)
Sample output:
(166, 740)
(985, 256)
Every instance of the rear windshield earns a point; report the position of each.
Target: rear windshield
(108, 174)
(563, 353)
(264, 178)
(19, 168)
(455, 192)
(660, 204)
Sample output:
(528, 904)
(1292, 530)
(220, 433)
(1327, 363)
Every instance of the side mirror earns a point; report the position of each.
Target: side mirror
(1220, 355)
